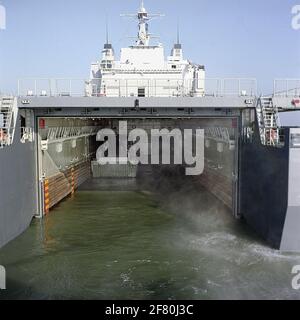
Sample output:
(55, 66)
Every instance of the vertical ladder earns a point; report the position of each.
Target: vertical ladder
(268, 121)
(7, 126)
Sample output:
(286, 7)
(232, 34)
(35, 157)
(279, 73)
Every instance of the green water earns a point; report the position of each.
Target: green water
(134, 245)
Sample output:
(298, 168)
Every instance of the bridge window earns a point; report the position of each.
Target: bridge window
(141, 92)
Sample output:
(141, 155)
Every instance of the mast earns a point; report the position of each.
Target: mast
(143, 34)
(178, 33)
(177, 52)
(143, 18)
(106, 26)
(108, 55)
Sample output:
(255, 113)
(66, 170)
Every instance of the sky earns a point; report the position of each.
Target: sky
(232, 38)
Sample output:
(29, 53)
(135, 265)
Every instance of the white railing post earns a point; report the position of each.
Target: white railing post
(156, 87)
(222, 86)
(70, 87)
(56, 87)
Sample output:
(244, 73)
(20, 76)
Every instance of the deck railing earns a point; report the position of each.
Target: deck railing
(27, 134)
(216, 87)
(287, 88)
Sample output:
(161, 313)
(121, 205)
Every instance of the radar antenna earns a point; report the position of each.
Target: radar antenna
(143, 19)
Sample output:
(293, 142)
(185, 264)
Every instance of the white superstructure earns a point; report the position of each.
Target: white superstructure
(143, 71)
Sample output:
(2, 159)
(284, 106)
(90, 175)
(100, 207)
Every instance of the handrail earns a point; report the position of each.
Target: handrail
(168, 87)
(27, 134)
(56, 134)
(8, 116)
(286, 90)
(220, 134)
(268, 122)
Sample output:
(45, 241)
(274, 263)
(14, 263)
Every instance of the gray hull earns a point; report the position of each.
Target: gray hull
(18, 193)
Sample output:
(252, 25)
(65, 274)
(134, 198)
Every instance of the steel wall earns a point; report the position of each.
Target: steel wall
(59, 186)
(291, 236)
(18, 196)
(263, 194)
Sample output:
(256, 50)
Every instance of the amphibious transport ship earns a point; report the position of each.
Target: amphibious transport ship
(48, 135)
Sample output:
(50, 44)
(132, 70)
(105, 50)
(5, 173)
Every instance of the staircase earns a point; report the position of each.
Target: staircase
(6, 121)
(268, 121)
